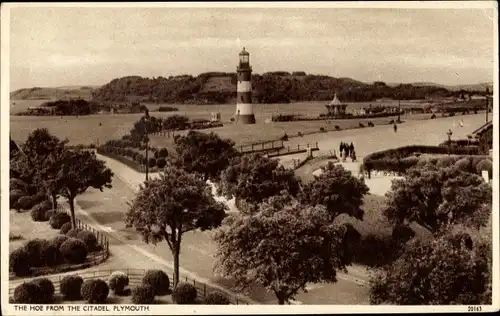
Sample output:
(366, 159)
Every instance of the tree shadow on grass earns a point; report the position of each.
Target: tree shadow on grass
(108, 217)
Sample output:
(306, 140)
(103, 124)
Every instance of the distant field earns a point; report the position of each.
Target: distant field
(86, 129)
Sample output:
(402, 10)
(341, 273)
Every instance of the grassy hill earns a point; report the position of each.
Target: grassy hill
(67, 92)
(466, 87)
(271, 87)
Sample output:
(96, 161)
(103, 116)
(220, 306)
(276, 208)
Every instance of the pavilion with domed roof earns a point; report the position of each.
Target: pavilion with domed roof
(335, 107)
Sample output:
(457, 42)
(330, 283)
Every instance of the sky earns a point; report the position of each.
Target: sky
(92, 46)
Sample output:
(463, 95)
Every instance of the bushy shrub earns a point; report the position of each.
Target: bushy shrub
(118, 281)
(446, 161)
(34, 248)
(74, 250)
(47, 290)
(184, 293)
(19, 262)
(485, 165)
(376, 251)
(464, 164)
(361, 125)
(151, 162)
(14, 197)
(59, 219)
(337, 128)
(143, 294)
(284, 137)
(89, 239)
(70, 287)
(299, 134)
(322, 129)
(73, 232)
(161, 163)
(17, 185)
(58, 240)
(95, 291)
(65, 228)
(38, 214)
(433, 116)
(27, 293)
(26, 202)
(216, 298)
(163, 153)
(370, 124)
(50, 254)
(158, 280)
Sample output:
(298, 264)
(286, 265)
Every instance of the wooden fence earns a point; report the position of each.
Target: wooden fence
(261, 147)
(135, 279)
(294, 150)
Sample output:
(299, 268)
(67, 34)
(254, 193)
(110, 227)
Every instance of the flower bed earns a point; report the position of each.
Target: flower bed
(402, 158)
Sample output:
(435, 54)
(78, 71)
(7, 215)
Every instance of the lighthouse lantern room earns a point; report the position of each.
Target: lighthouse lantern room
(244, 109)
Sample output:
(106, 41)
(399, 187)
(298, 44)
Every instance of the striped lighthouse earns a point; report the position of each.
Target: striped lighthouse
(244, 110)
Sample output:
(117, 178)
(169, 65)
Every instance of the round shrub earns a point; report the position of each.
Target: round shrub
(74, 250)
(50, 254)
(151, 162)
(464, 164)
(59, 219)
(65, 228)
(184, 293)
(39, 214)
(88, 238)
(44, 205)
(158, 280)
(19, 262)
(70, 287)
(445, 161)
(28, 293)
(58, 240)
(485, 165)
(47, 290)
(34, 248)
(161, 163)
(118, 281)
(143, 294)
(15, 195)
(95, 291)
(163, 153)
(26, 203)
(74, 232)
(216, 298)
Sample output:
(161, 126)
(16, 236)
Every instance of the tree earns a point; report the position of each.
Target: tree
(171, 205)
(36, 163)
(453, 268)
(254, 178)
(337, 190)
(207, 154)
(282, 247)
(436, 197)
(80, 170)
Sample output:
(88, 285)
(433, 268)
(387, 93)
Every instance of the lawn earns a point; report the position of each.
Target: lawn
(21, 225)
(87, 129)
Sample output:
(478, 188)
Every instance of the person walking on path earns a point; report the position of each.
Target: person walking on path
(341, 148)
(351, 147)
(395, 128)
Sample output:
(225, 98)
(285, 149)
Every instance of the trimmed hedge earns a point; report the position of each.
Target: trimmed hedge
(74, 250)
(59, 219)
(50, 253)
(158, 280)
(118, 281)
(143, 294)
(58, 240)
(184, 293)
(26, 203)
(14, 197)
(28, 293)
(95, 291)
(216, 298)
(19, 262)
(70, 287)
(39, 211)
(47, 290)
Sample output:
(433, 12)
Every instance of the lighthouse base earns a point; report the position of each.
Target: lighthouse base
(246, 119)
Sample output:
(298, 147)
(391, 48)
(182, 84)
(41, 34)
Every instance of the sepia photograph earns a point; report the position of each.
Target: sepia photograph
(167, 158)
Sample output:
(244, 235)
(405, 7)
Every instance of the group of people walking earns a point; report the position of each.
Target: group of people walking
(347, 150)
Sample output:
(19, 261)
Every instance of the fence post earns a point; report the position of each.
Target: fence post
(204, 290)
